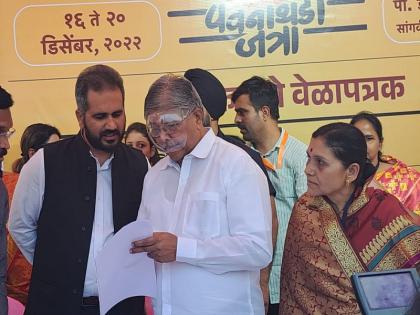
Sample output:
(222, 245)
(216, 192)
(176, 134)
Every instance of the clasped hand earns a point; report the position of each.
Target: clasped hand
(160, 247)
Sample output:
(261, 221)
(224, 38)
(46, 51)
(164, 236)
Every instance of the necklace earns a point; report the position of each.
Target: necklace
(346, 208)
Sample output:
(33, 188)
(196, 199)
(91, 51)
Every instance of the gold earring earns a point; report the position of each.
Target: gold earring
(347, 181)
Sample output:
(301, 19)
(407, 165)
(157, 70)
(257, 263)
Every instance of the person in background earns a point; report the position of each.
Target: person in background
(209, 206)
(342, 226)
(256, 104)
(6, 131)
(136, 137)
(213, 96)
(34, 137)
(19, 269)
(71, 198)
(392, 174)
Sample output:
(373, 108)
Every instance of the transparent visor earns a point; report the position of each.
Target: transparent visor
(164, 129)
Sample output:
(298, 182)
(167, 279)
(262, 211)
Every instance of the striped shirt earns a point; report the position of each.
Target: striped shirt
(289, 182)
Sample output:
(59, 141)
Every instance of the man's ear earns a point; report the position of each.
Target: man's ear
(266, 112)
(199, 115)
(80, 117)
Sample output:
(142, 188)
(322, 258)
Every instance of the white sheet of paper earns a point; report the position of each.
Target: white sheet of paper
(121, 274)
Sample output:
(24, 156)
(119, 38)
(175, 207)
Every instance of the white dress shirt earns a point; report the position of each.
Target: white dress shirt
(218, 205)
(27, 203)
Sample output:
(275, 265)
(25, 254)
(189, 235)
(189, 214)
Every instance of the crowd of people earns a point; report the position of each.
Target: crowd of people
(263, 225)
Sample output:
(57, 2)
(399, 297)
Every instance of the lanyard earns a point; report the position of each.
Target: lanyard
(268, 165)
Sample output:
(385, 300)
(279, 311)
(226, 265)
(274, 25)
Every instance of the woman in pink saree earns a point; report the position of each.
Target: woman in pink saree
(392, 175)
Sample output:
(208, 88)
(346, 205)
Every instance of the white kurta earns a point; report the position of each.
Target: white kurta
(218, 205)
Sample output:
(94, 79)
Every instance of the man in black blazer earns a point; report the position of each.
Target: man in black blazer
(73, 195)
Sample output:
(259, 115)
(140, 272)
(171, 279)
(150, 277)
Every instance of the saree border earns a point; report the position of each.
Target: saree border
(394, 260)
(393, 234)
(338, 241)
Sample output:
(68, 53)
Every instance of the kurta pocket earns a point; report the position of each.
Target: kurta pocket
(202, 217)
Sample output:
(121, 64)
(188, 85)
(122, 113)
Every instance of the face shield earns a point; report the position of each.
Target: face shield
(164, 128)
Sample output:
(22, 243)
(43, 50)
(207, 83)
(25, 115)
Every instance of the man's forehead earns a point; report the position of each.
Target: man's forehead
(109, 100)
(168, 116)
(93, 110)
(95, 92)
(162, 110)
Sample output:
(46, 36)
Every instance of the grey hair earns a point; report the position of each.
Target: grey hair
(171, 91)
(96, 78)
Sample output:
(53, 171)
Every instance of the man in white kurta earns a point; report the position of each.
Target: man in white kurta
(209, 206)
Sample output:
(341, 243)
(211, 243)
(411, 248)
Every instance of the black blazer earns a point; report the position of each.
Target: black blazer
(66, 219)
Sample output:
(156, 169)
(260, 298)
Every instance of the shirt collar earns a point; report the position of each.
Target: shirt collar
(201, 150)
(106, 164)
(203, 147)
(276, 145)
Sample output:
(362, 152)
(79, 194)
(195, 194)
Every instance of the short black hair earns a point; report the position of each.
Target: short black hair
(6, 100)
(261, 93)
(96, 78)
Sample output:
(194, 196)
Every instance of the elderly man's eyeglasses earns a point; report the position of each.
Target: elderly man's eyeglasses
(168, 122)
(7, 133)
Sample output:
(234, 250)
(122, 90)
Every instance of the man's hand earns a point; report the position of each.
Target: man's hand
(160, 247)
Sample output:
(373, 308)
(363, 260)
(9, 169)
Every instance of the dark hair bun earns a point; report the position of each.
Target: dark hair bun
(368, 171)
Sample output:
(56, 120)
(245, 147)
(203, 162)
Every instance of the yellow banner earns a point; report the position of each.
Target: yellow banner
(329, 58)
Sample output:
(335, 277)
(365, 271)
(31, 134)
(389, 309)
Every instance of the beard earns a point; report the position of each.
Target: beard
(99, 143)
(245, 135)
